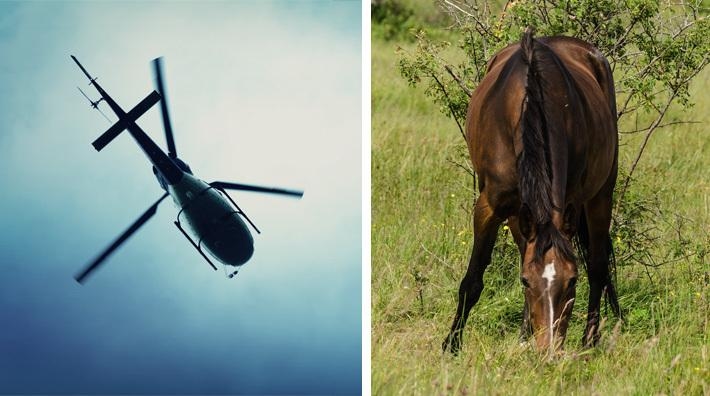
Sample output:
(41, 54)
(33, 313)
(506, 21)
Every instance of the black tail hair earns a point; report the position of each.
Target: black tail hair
(533, 163)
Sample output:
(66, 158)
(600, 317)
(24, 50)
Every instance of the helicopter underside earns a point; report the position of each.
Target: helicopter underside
(216, 225)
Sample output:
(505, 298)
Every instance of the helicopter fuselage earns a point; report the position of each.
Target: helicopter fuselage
(214, 222)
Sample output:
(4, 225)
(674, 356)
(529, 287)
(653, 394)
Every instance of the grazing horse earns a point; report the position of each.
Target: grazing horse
(541, 133)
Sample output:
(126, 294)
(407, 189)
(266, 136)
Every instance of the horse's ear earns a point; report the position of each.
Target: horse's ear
(569, 225)
(525, 221)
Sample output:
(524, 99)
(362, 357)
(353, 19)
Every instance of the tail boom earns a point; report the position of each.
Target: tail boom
(171, 171)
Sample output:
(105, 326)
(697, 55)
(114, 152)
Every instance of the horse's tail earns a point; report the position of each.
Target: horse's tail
(582, 240)
(610, 289)
(533, 163)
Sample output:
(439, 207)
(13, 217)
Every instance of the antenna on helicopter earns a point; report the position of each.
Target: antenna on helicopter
(94, 104)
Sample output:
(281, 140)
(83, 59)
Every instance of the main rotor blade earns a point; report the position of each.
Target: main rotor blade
(122, 238)
(158, 70)
(247, 187)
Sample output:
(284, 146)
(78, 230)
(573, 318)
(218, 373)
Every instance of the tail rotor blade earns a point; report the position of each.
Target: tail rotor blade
(80, 277)
(102, 113)
(158, 71)
(87, 98)
(248, 187)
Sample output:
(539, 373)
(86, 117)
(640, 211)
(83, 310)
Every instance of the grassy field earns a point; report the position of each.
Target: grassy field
(421, 240)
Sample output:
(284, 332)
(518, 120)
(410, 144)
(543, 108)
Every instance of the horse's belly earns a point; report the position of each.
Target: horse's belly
(593, 175)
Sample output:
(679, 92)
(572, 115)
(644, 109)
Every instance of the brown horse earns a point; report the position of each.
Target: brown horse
(541, 132)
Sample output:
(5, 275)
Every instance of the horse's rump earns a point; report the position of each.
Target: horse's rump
(577, 121)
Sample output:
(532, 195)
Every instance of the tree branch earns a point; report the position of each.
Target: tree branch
(451, 108)
(651, 129)
(659, 127)
(458, 80)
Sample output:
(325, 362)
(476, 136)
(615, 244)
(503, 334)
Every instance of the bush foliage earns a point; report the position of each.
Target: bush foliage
(655, 52)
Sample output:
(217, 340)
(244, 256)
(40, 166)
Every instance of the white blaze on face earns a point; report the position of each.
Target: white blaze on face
(549, 275)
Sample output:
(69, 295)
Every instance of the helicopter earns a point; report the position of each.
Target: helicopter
(206, 209)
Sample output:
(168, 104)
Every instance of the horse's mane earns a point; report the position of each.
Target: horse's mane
(534, 164)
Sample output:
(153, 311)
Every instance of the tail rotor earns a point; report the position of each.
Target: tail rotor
(94, 104)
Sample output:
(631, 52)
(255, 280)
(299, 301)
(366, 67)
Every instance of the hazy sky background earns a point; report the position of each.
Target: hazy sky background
(264, 93)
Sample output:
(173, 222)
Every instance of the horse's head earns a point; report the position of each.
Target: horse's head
(549, 274)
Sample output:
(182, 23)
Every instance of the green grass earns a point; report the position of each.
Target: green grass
(421, 241)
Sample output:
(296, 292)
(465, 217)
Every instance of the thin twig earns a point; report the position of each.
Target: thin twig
(651, 129)
(659, 127)
(458, 80)
(458, 8)
(468, 170)
(451, 108)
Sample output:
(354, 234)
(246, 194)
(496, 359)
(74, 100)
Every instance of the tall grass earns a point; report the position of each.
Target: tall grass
(422, 197)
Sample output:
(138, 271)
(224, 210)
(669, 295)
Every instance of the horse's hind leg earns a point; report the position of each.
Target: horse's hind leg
(485, 229)
(525, 326)
(598, 217)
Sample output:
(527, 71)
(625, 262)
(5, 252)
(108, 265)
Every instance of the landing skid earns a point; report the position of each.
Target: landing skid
(239, 210)
(197, 247)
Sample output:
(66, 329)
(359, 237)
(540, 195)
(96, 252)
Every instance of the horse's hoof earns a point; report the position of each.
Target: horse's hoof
(450, 344)
(590, 340)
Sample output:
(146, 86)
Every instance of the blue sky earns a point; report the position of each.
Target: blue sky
(260, 92)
